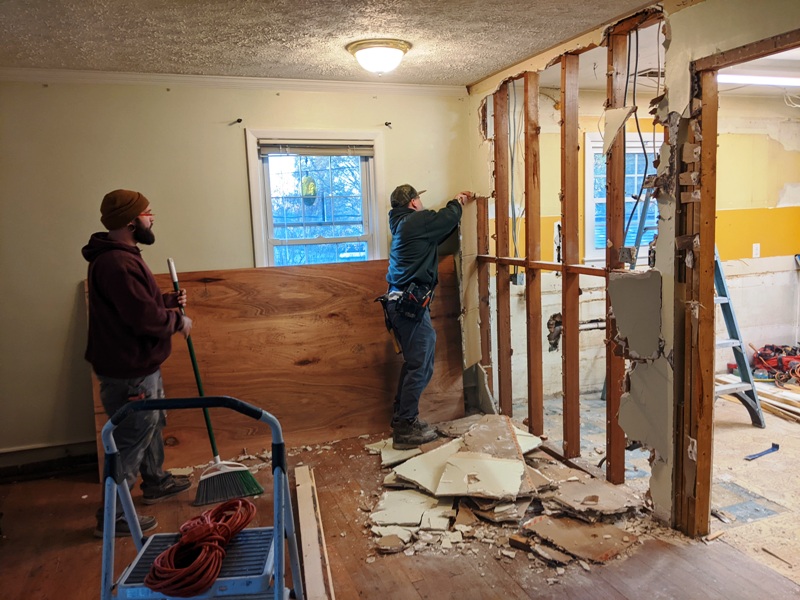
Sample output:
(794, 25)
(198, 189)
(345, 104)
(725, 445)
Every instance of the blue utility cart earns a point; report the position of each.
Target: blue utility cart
(254, 564)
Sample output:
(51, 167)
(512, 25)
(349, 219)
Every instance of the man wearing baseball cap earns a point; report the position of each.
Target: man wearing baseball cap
(413, 275)
(130, 326)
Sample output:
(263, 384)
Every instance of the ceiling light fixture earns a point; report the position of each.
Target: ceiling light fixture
(758, 80)
(378, 55)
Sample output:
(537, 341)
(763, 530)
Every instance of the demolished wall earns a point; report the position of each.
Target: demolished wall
(693, 30)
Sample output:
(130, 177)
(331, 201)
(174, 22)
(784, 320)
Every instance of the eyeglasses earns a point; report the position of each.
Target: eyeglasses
(148, 213)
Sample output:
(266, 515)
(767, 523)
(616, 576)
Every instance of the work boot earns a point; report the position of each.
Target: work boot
(169, 488)
(122, 529)
(410, 434)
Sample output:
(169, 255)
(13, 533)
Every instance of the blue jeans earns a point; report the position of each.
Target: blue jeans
(418, 342)
(138, 437)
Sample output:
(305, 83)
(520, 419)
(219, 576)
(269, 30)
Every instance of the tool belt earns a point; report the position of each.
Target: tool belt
(414, 300)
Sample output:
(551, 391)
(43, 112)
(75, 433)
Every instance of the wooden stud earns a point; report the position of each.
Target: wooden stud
(533, 276)
(312, 541)
(484, 309)
(570, 347)
(501, 190)
(615, 219)
(704, 394)
(760, 49)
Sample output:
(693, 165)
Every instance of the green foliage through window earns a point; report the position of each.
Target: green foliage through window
(318, 207)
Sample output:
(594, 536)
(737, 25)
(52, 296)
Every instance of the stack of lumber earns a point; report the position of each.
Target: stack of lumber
(783, 402)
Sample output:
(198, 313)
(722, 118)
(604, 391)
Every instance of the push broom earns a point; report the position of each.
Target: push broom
(222, 480)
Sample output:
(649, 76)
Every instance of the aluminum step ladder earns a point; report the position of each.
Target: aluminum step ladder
(630, 254)
(745, 390)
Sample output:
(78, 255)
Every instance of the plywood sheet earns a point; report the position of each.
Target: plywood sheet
(309, 345)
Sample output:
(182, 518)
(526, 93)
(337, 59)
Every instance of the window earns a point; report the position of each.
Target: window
(635, 166)
(316, 201)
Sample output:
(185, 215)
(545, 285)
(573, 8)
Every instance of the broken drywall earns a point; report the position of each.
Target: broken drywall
(615, 121)
(790, 195)
(481, 475)
(405, 507)
(599, 542)
(426, 470)
(467, 271)
(783, 129)
(390, 456)
(646, 415)
(644, 411)
(636, 302)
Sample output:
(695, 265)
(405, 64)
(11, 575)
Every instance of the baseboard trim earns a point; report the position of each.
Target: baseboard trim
(41, 463)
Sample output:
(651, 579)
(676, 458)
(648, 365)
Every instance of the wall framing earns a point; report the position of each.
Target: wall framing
(569, 267)
(695, 238)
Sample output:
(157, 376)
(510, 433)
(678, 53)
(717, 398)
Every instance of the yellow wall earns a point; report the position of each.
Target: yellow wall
(547, 224)
(777, 230)
(753, 170)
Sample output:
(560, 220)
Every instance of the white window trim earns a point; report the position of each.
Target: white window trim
(377, 249)
(593, 142)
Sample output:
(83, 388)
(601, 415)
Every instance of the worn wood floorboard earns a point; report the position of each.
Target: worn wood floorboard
(48, 551)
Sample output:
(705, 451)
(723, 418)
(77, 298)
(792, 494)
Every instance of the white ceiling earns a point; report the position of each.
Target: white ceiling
(455, 42)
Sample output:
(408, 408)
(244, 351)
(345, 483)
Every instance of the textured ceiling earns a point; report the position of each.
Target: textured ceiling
(455, 42)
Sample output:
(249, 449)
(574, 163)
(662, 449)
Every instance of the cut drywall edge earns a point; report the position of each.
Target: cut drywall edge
(483, 475)
(527, 441)
(404, 507)
(645, 412)
(426, 470)
(390, 456)
(467, 268)
(615, 121)
(790, 195)
(636, 303)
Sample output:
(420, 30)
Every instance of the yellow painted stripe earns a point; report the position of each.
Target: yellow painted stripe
(776, 229)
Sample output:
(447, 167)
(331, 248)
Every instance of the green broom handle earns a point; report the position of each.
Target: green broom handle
(174, 274)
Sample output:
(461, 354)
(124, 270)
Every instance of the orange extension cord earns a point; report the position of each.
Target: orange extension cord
(191, 566)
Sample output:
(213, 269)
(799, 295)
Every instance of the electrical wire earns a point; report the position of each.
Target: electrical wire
(512, 126)
(191, 566)
(638, 196)
(791, 100)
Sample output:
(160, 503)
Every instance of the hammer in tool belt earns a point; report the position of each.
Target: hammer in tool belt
(384, 300)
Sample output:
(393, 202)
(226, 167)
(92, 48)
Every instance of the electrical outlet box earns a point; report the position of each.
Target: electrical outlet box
(756, 250)
(626, 255)
(518, 278)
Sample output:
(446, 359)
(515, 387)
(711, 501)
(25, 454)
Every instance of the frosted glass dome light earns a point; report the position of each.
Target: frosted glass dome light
(380, 55)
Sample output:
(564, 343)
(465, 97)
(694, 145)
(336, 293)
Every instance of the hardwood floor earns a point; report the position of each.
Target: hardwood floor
(48, 552)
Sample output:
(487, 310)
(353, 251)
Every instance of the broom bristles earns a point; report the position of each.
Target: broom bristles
(225, 481)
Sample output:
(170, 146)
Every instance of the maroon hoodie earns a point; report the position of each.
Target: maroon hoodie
(129, 326)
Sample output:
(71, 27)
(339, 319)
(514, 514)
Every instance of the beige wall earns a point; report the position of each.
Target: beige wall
(64, 145)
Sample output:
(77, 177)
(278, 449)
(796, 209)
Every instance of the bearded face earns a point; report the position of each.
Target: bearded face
(143, 234)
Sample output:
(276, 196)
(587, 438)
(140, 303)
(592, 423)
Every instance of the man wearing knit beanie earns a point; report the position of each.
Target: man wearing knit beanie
(131, 323)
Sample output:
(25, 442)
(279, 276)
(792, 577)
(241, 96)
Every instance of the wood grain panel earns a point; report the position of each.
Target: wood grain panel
(307, 344)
